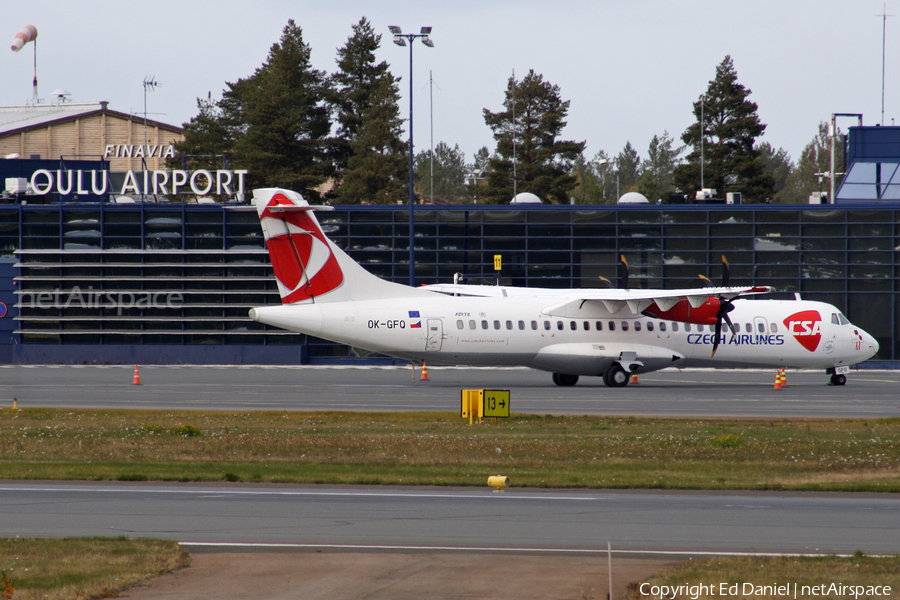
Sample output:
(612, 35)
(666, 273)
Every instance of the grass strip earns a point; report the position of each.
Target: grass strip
(764, 578)
(442, 449)
(56, 569)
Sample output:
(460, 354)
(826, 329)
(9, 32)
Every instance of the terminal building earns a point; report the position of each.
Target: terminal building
(172, 282)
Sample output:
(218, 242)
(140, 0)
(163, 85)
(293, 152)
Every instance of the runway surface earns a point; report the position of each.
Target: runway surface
(731, 393)
(417, 519)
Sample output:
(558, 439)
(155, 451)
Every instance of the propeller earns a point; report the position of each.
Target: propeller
(623, 272)
(725, 307)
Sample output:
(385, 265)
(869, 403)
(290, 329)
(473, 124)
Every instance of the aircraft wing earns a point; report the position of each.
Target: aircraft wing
(613, 300)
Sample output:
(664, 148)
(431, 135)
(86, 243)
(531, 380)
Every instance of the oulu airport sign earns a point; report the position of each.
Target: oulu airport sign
(200, 182)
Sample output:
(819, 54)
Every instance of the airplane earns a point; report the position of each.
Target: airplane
(608, 333)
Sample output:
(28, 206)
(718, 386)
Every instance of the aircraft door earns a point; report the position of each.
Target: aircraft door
(435, 335)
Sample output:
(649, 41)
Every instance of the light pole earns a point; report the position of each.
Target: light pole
(602, 163)
(400, 39)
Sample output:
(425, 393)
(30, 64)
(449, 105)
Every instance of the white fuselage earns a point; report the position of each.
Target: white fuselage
(578, 340)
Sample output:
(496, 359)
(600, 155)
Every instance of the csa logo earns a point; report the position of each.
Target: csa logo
(806, 327)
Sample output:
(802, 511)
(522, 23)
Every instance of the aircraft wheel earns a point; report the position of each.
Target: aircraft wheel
(615, 376)
(838, 379)
(565, 380)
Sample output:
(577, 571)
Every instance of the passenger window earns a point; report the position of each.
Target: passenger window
(573, 325)
(700, 328)
(748, 327)
(662, 326)
(484, 324)
(687, 326)
(599, 325)
(737, 327)
(459, 324)
(587, 325)
(649, 325)
(559, 325)
(534, 325)
(471, 324)
(612, 325)
(674, 326)
(522, 326)
(637, 325)
(547, 325)
(773, 327)
(509, 324)
(496, 324)
(761, 328)
(624, 325)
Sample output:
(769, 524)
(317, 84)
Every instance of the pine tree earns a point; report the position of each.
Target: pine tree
(378, 168)
(779, 165)
(449, 174)
(274, 123)
(729, 130)
(368, 152)
(205, 138)
(657, 178)
(543, 164)
(628, 169)
(281, 110)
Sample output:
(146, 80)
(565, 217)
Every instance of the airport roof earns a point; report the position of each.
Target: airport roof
(26, 116)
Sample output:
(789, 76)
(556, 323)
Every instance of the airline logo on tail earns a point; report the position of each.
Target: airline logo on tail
(301, 256)
(806, 327)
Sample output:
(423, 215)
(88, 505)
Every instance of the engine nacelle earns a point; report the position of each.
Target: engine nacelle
(705, 314)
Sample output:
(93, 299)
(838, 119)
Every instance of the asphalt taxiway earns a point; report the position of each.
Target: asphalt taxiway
(462, 520)
(697, 392)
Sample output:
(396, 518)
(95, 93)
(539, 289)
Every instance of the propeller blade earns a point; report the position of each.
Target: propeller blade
(623, 272)
(716, 338)
(725, 307)
(608, 283)
(730, 324)
(725, 276)
(706, 279)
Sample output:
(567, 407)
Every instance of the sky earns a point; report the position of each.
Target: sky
(631, 70)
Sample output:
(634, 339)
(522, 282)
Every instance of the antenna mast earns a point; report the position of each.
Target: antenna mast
(884, 17)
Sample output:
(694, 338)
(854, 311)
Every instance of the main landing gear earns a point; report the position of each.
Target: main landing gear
(615, 376)
(565, 380)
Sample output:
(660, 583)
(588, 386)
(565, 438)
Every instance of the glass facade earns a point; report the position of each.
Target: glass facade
(185, 275)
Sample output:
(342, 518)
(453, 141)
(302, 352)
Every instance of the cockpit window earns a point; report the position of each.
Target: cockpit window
(843, 319)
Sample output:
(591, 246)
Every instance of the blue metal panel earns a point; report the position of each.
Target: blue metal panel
(874, 143)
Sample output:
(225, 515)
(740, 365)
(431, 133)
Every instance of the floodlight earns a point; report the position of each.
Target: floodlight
(394, 29)
(428, 42)
(400, 41)
(426, 30)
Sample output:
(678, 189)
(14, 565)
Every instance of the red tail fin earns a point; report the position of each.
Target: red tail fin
(302, 257)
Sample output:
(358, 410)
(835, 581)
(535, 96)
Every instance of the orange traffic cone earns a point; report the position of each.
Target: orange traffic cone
(424, 372)
(634, 380)
(783, 378)
(137, 377)
(777, 380)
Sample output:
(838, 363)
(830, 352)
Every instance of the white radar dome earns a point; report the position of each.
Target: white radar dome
(526, 198)
(633, 198)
